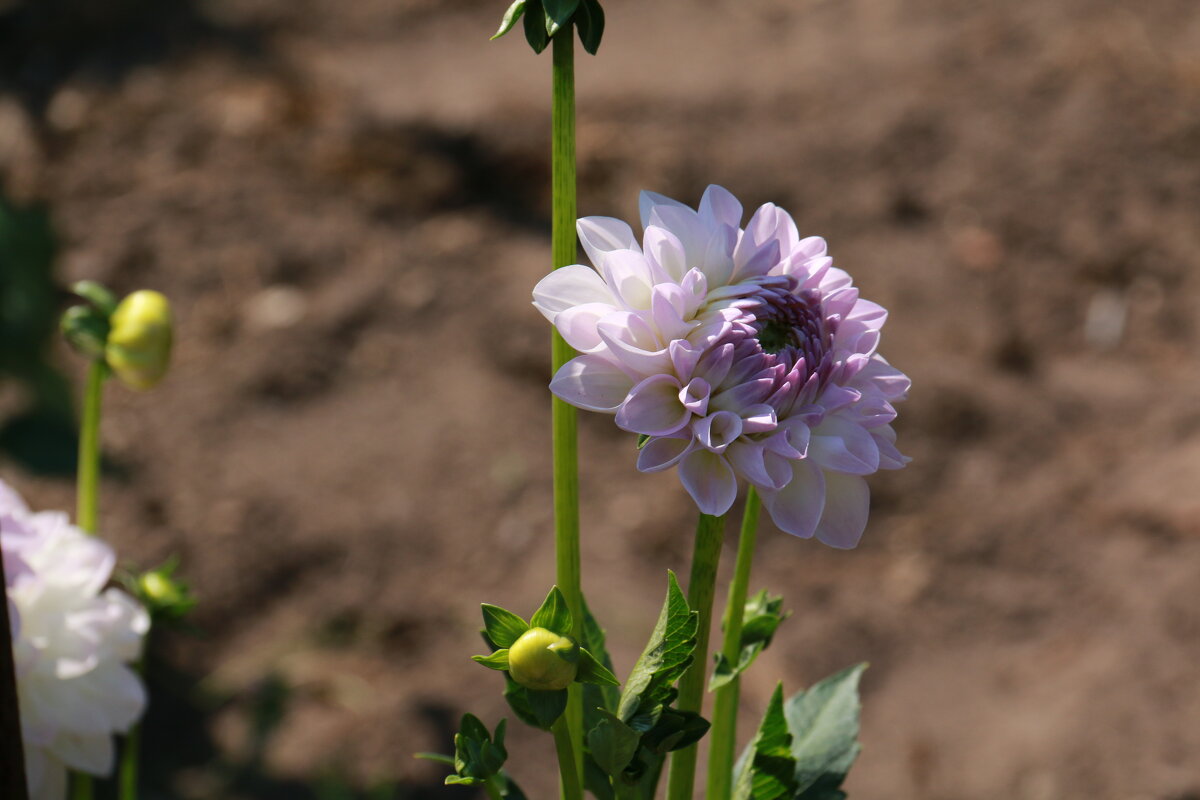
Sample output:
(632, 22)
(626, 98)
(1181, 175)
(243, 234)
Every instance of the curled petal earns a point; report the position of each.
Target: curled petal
(710, 481)
(653, 407)
(847, 501)
(717, 431)
(662, 452)
(591, 382)
(578, 325)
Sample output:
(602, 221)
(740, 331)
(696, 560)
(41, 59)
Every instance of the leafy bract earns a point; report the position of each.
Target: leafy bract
(761, 618)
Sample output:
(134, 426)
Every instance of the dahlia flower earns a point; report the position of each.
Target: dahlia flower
(735, 353)
(73, 640)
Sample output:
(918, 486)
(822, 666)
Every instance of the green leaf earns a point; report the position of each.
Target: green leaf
(824, 726)
(592, 671)
(761, 618)
(669, 652)
(98, 295)
(497, 660)
(478, 755)
(593, 641)
(510, 18)
(612, 744)
(596, 780)
(441, 758)
(554, 614)
(560, 10)
(767, 771)
(535, 26)
(642, 439)
(501, 625)
(675, 730)
(509, 789)
(590, 22)
(547, 707)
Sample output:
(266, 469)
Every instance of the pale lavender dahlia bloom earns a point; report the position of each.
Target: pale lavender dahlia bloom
(738, 352)
(73, 641)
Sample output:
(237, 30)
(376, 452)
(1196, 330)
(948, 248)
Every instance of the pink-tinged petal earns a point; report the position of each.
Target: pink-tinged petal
(665, 250)
(667, 304)
(695, 396)
(889, 456)
(719, 207)
(684, 357)
(602, 235)
(892, 382)
(750, 264)
(717, 262)
(834, 279)
(844, 446)
(811, 247)
(715, 364)
(649, 201)
(695, 287)
(759, 418)
(779, 469)
(578, 325)
(663, 452)
(632, 277)
(744, 394)
(591, 382)
(653, 407)
(746, 458)
(871, 314)
(710, 481)
(717, 431)
(847, 503)
(572, 285)
(633, 342)
(796, 508)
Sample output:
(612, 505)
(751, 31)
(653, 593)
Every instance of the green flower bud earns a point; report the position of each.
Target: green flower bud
(543, 660)
(139, 344)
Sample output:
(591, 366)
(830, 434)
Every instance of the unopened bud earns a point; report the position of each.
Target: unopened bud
(86, 330)
(543, 660)
(139, 343)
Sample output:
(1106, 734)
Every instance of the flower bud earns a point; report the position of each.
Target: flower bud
(86, 330)
(139, 344)
(543, 660)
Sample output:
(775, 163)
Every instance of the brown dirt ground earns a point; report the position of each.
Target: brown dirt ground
(348, 203)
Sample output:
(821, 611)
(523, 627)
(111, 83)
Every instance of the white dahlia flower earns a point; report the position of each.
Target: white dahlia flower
(73, 642)
(737, 352)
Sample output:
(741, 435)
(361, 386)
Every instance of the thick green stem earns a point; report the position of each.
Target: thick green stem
(723, 736)
(570, 784)
(706, 555)
(88, 493)
(89, 449)
(566, 456)
(493, 791)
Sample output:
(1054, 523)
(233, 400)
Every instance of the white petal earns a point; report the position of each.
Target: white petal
(572, 285)
(591, 382)
(601, 235)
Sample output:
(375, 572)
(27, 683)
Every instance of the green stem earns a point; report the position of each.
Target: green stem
(569, 783)
(563, 416)
(723, 736)
(127, 774)
(493, 791)
(706, 555)
(89, 448)
(88, 493)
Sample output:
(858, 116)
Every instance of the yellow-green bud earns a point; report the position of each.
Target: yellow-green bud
(543, 660)
(139, 342)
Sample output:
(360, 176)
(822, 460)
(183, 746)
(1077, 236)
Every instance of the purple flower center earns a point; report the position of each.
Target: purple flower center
(790, 325)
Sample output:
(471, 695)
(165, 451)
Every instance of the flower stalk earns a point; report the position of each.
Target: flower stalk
(725, 707)
(89, 448)
(706, 555)
(568, 733)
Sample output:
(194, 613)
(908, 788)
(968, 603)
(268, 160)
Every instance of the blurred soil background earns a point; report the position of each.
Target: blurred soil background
(349, 203)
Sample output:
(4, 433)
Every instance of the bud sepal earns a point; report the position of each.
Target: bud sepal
(540, 658)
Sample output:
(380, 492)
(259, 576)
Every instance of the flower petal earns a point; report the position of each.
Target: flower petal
(838, 444)
(653, 407)
(662, 452)
(601, 235)
(796, 508)
(572, 285)
(710, 481)
(719, 207)
(847, 503)
(591, 382)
